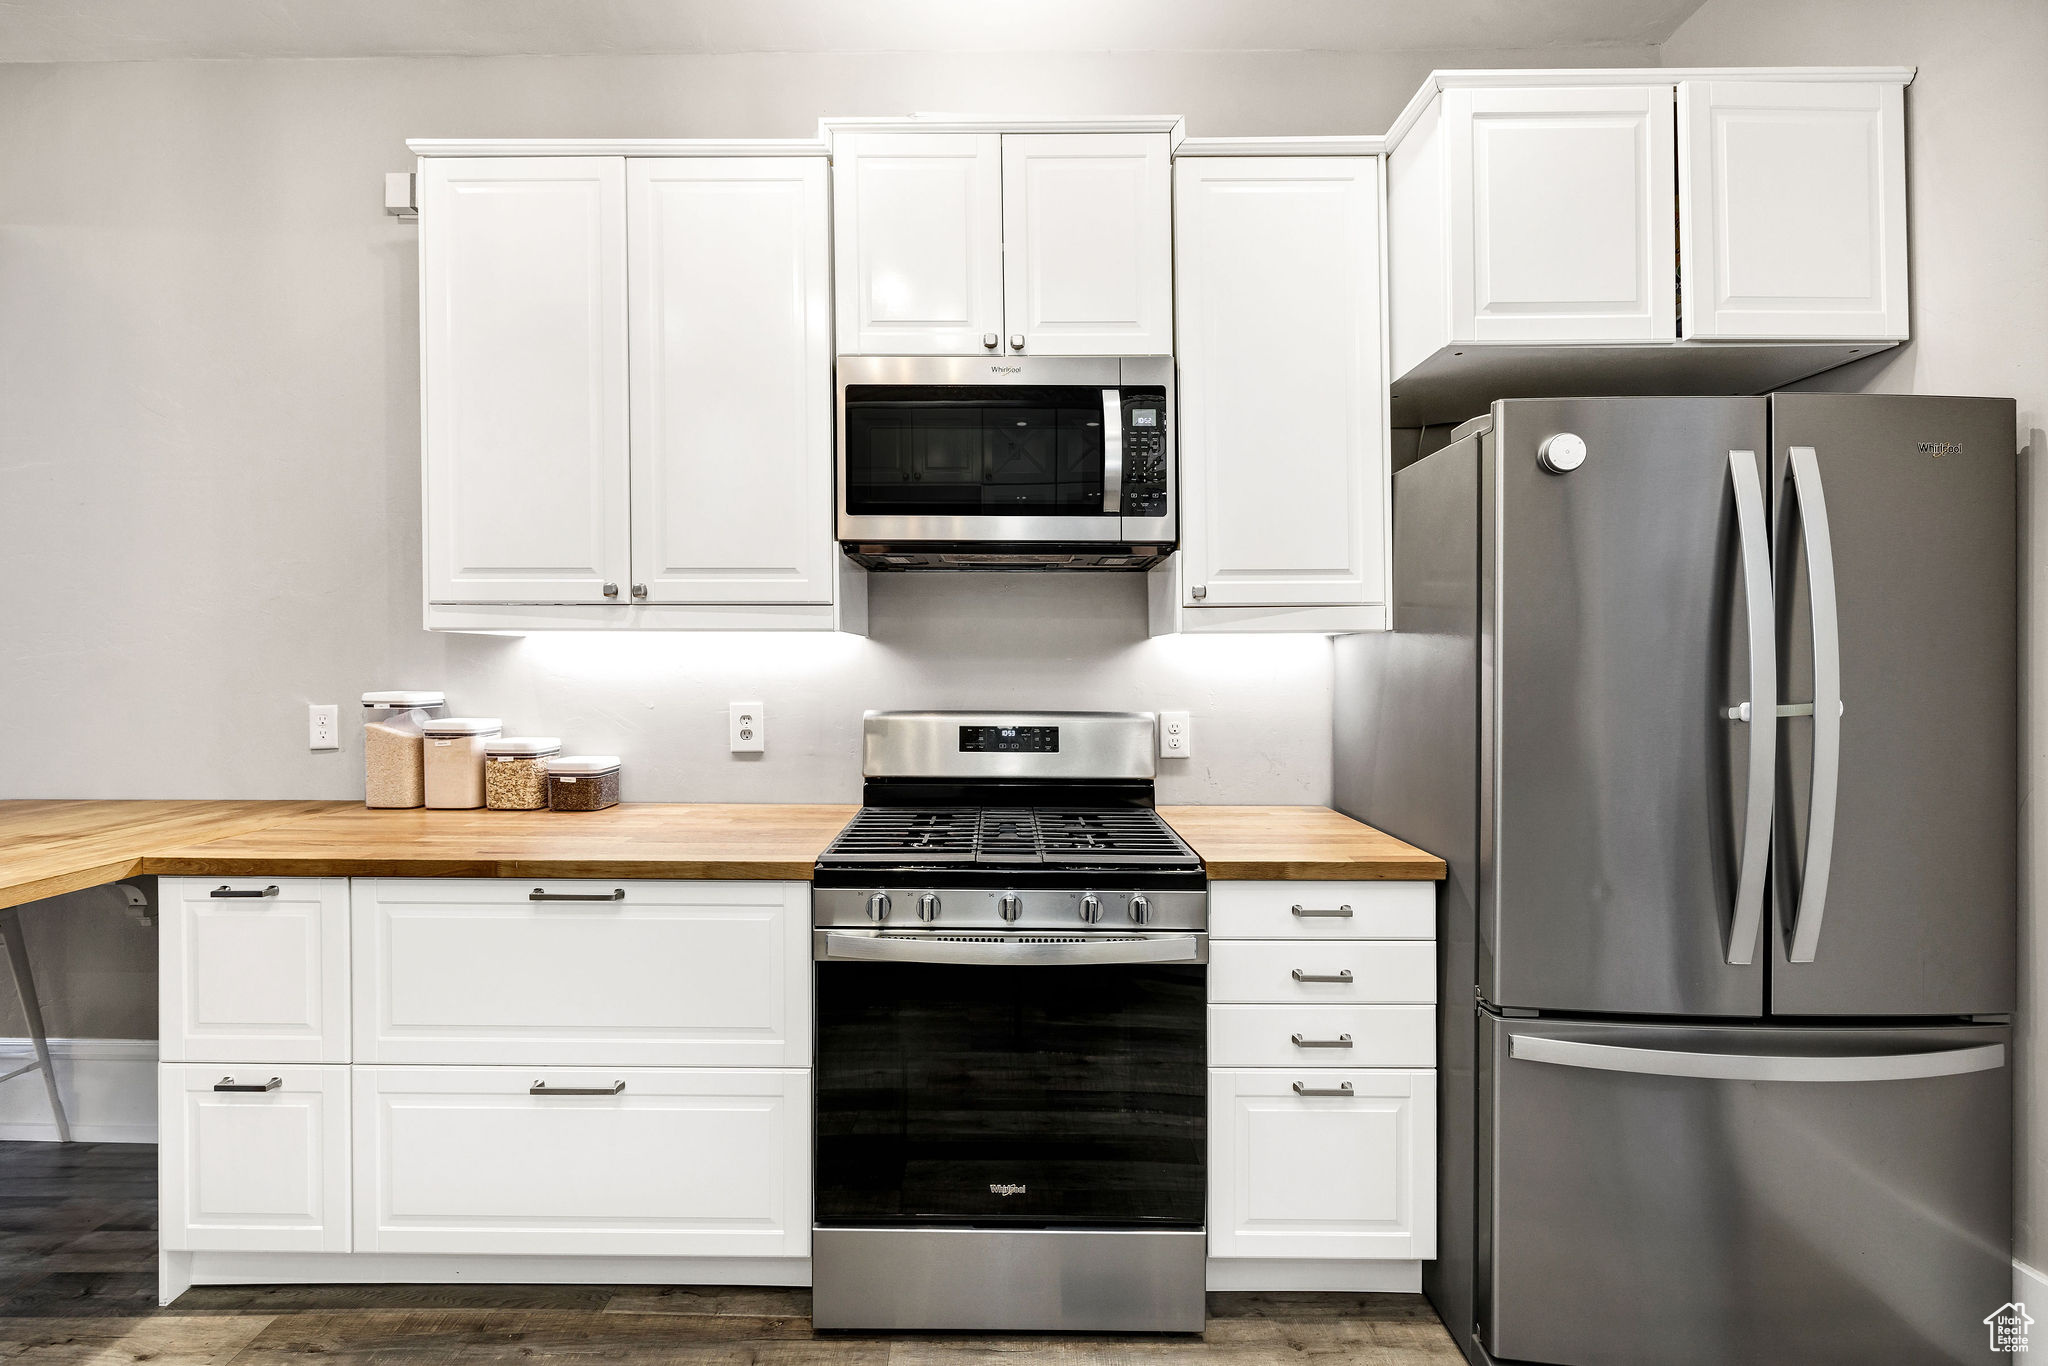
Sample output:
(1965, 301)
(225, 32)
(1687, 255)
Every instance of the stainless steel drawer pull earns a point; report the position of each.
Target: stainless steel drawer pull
(230, 1084)
(541, 1088)
(1342, 1088)
(615, 894)
(1328, 912)
(1343, 976)
(225, 891)
(1341, 1041)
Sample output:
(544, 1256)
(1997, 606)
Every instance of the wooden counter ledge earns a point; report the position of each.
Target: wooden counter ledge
(1296, 844)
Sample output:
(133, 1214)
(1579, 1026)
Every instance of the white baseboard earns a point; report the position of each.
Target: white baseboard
(2028, 1285)
(108, 1087)
(181, 1270)
(1276, 1273)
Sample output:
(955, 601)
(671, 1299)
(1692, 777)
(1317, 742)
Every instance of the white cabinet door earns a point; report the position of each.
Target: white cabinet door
(918, 236)
(1561, 207)
(677, 974)
(1794, 203)
(1322, 910)
(523, 329)
(1088, 244)
(1350, 1175)
(248, 1166)
(654, 1164)
(731, 379)
(1283, 438)
(253, 970)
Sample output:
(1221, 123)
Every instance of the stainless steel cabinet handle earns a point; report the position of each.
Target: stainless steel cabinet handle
(541, 1088)
(1342, 1088)
(1341, 1041)
(639, 590)
(230, 1084)
(1016, 341)
(1802, 933)
(225, 891)
(1301, 976)
(1675, 1062)
(991, 340)
(1112, 450)
(1199, 592)
(615, 894)
(1761, 618)
(1326, 912)
(611, 590)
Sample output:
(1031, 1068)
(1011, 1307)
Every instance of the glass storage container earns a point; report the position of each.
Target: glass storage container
(516, 771)
(394, 771)
(583, 782)
(455, 760)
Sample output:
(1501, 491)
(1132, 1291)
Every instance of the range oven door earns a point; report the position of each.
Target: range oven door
(965, 451)
(995, 1082)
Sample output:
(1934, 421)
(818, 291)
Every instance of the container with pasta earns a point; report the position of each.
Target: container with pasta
(516, 771)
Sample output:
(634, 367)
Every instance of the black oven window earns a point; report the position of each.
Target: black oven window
(973, 451)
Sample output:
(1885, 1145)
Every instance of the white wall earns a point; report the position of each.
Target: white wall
(1977, 166)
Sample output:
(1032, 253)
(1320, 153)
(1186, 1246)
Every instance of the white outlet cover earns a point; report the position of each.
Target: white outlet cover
(747, 727)
(1176, 735)
(323, 725)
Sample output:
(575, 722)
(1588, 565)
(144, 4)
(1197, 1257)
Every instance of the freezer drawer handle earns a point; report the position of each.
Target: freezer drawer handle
(226, 891)
(1802, 930)
(230, 1084)
(1342, 1088)
(541, 1088)
(615, 894)
(1661, 1062)
(1341, 1041)
(1324, 912)
(1746, 919)
(1301, 976)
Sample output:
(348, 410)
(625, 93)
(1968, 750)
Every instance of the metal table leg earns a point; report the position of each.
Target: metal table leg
(25, 987)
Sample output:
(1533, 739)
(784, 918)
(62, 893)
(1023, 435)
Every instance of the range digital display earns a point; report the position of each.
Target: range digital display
(1009, 739)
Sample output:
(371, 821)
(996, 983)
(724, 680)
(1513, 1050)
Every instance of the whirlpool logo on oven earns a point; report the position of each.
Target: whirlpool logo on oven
(1006, 1188)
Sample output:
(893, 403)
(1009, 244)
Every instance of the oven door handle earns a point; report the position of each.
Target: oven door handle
(1023, 951)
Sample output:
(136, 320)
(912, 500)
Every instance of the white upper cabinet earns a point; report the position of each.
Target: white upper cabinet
(1559, 205)
(919, 222)
(985, 242)
(1283, 421)
(730, 307)
(1087, 244)
(523, 320)
(1793, 197)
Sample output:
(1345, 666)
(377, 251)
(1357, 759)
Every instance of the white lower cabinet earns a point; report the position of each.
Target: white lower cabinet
(617, 1161)
(253, 1158)
(1322, 1164)
(253, 969)
(1322, 1036)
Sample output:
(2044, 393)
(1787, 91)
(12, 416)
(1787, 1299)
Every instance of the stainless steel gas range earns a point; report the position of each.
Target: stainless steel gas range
(1011, 1079)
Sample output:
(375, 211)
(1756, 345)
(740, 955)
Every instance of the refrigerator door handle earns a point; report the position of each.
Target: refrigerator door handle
(1803, 933)
(1661, 1062)
(1758, 711)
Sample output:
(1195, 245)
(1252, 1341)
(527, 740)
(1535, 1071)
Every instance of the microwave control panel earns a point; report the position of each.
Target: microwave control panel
(1146, 452)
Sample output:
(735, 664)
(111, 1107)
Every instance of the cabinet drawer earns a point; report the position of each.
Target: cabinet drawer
(1351, 1175)
(1389, 972)
(260, 1170)
(1322, 910)
(1266, 1036)
(253, 970)
(712, 974)
(656, 1163)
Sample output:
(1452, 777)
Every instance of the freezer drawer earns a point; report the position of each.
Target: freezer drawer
(1678, 1196)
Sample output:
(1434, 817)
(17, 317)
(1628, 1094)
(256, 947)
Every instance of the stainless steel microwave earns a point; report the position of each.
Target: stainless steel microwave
(1006, 462)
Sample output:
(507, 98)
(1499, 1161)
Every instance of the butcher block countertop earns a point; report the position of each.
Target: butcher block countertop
(48, 848)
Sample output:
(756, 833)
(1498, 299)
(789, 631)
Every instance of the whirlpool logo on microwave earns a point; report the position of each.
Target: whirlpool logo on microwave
(1006, 1188)
(1006, 369)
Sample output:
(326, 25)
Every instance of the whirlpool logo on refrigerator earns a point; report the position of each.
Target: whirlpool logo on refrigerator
(1938, 449)
(1006, 1188)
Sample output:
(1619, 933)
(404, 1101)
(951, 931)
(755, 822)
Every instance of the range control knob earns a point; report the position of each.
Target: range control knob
(1091, 908)
(1141, 910)
(928, 907)
(1010, 907)
(878, 907)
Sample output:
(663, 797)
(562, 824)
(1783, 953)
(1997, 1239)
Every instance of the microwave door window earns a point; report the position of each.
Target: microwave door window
(913, 459)
(1018, 450)
(1080, 459)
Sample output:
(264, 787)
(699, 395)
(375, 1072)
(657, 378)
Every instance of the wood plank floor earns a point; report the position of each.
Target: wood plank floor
(78, 1285)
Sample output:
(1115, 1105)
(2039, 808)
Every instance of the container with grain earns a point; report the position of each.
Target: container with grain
(583, 782)
(455, 760)
(394, 766)
(516, 771)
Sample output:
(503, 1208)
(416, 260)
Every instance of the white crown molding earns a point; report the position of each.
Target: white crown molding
(1339, 146)
(617, 147)
(1170, 124)
(1439, 81)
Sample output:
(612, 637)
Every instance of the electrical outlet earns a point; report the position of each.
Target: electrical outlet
(1176, 735)
(747, 727)
(323, 726)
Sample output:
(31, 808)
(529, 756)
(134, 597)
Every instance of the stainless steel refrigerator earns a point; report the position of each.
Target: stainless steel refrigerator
(1710, 704)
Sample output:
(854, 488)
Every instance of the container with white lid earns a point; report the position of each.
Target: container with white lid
(516, 771)
(394, 772)
(455, 760)
(583, 782)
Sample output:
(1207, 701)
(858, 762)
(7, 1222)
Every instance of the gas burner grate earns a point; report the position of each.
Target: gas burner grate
(1010, 836)
(1109, 836)
(892, 834)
